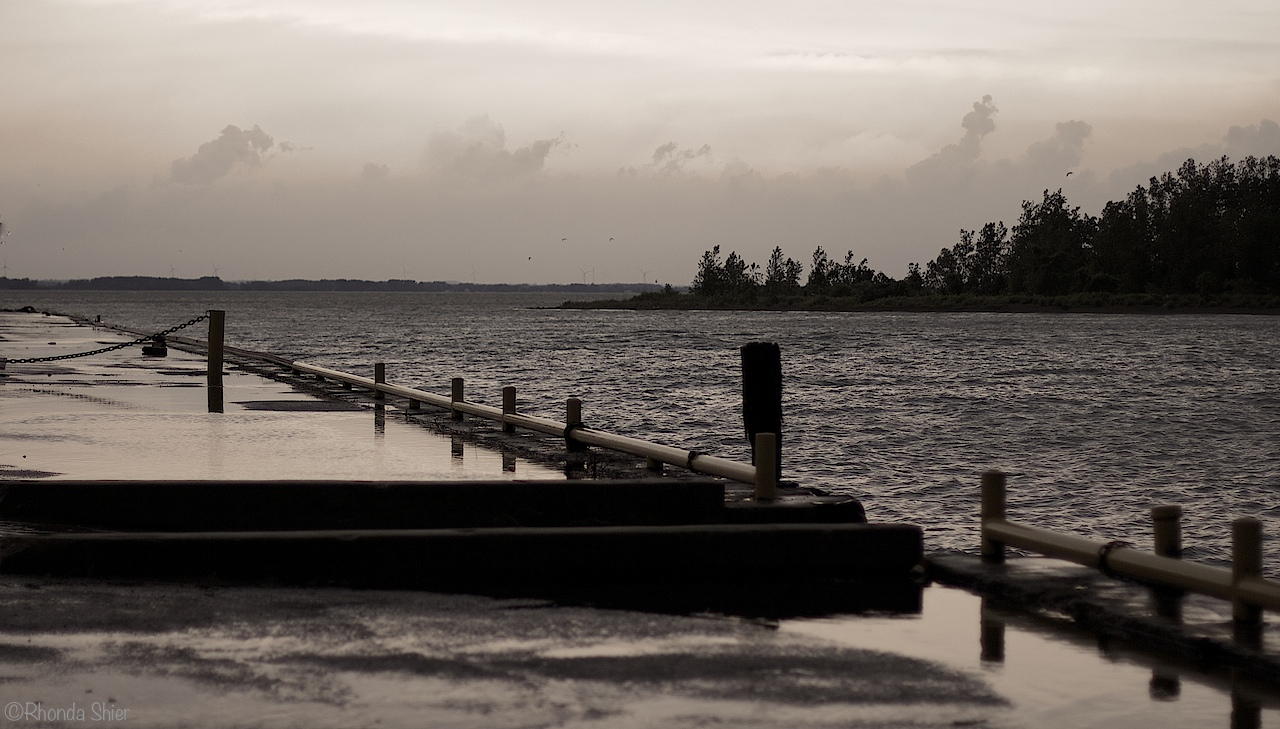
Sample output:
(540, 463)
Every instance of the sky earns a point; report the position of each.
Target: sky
(567, 140)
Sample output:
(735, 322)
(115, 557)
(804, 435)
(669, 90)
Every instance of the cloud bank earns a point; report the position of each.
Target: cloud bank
(215, 159)
(478, 205)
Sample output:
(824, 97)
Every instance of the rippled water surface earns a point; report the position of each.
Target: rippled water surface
(1102, 416)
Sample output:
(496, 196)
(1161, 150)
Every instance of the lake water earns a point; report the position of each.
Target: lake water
(1102, 416)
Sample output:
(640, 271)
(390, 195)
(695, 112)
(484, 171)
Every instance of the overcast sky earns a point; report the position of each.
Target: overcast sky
(503, 140)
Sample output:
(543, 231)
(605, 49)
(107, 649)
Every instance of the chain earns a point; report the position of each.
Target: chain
(113, 347)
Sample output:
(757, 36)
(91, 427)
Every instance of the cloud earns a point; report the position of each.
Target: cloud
(951, 164)
(478, 151)
(670, 158)
(1062, 151)
(373, 172)
(218, 157)
(1259, 140)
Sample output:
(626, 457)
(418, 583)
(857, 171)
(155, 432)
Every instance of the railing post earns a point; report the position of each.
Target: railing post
(1246, 562)
(1167, 522)
(379, 378)
(572, 419)
(217, 322)
(456, 395)
(993, 507)
(762, 398)
(508, 408)
(766, 467)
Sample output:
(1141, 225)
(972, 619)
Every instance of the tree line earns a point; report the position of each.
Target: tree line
(1204, 229)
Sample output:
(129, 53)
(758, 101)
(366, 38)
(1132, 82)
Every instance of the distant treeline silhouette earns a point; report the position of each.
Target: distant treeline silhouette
(1209, 230)
(214, 283)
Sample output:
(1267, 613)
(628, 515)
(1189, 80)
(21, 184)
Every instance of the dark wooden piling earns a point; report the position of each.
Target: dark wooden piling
(762, 396)
(217, 322)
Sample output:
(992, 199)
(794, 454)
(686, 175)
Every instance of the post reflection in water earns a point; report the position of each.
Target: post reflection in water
(508, 462)
(1246, 711)
(1165, 684)
(379, 420)
(456, 447)
(991, 633)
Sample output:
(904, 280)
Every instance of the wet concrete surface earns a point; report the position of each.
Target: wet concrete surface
(121, 415)
(192, 655)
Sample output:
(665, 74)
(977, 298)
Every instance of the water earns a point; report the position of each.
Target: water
(1103, 416)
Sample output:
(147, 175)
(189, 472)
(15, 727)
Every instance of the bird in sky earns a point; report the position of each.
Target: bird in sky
(1070, 173)
(610, 239)
(564, 239)
(530, 258)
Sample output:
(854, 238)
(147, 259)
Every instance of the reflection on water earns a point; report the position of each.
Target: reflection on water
(1053, 674)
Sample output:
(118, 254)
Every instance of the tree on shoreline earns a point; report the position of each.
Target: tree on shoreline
(1204, 229)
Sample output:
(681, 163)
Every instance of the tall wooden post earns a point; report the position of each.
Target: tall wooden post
(993, 507)
(217, 323)
(762, 398)
(379, 378)
(508, 408)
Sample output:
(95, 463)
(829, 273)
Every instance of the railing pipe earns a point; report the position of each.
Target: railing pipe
(1215, 581)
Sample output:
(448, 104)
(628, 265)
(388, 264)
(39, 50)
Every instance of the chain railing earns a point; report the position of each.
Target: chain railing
(112, 348)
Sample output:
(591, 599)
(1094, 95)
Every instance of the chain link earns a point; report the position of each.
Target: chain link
(112, 348)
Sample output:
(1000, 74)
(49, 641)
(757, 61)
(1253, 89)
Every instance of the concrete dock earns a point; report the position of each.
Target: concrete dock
(208, 585)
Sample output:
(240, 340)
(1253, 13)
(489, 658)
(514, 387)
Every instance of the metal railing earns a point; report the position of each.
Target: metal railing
(572, 429)
(763, 476)
(1242, 584)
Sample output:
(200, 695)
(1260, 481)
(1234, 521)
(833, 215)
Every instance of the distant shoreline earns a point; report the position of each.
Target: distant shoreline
(1074, 304)
(213, 283)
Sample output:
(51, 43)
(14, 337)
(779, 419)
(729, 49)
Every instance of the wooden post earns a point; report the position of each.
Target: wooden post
(414, 404)
(456, 396)
(653, 464)
(508, 408)
(380, 378)
(766, 467)
(762, 398)
(217, 324)
(1167, 521)
(993, 507)
(1246, 562)
(572, 419)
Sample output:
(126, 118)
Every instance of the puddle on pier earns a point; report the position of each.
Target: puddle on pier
(290, 657)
